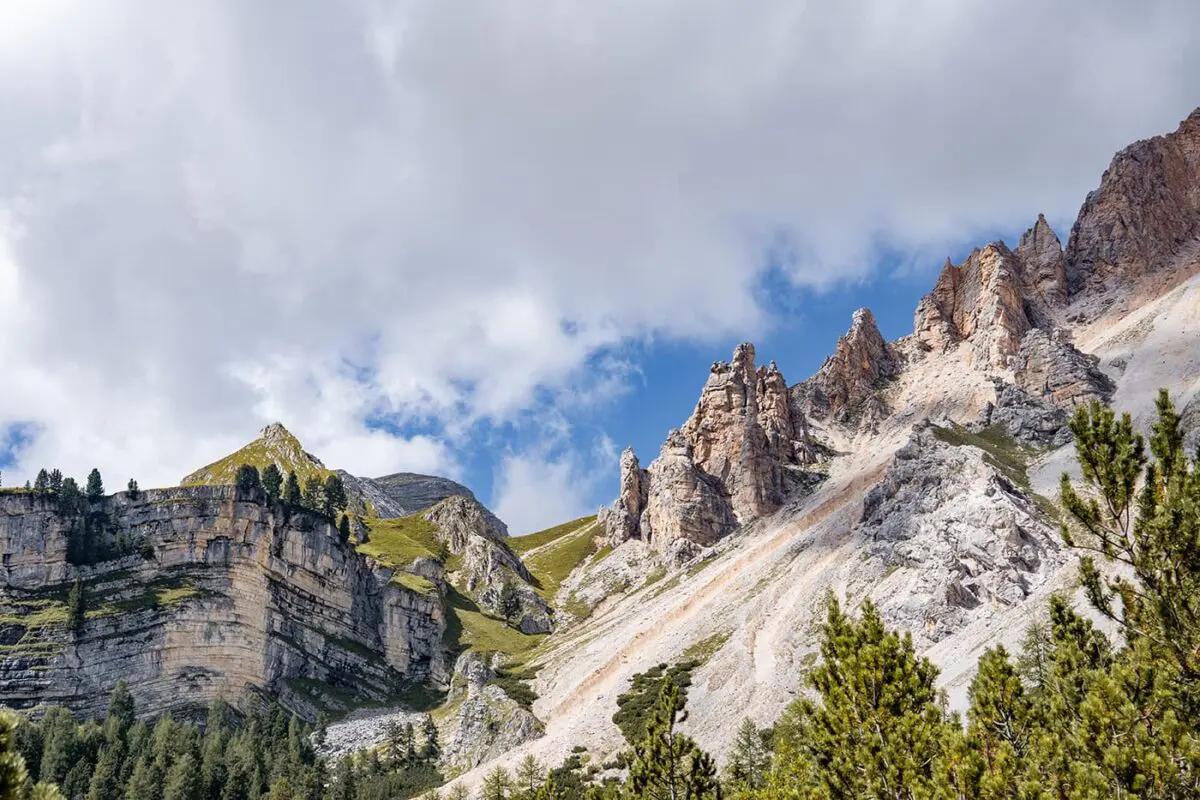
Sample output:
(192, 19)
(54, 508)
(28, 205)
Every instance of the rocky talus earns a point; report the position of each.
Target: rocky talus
(485, 722)
(224, 596)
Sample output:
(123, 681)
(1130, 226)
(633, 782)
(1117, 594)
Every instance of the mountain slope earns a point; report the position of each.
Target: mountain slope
(935, 456)
(275, 445)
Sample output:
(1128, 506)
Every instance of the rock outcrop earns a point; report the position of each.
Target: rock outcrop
(622, 521)
(1144, 214)
(221, 596)
(486, 722)
(732, 461)
(981, 301)
(968, 535)
(1048, 365)
(469, 530)
(1044, 267)
(415, 493)
(845, 389)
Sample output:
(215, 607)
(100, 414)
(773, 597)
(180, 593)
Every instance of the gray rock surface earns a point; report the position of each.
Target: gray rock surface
(487, 722)
(413, 492)
(845, 388)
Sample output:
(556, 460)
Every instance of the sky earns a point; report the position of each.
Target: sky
(501, 241)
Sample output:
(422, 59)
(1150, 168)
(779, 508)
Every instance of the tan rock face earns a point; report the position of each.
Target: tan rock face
(981, 301)
(622, 521)
(727, 465)
(1144, 213)
(235, 598)
(1050, 367)
(847, 382)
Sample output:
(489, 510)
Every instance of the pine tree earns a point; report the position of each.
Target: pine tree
(95, 485)
(496, 785)
(272, 481)
(877, 728)
(41, 483)
(344, 786)
(133, 490)
(668, 765)
(530, 777)
(344, 529)
(12, 767)
(70, 499)
(247, 479)
(410, 745)
(333, 494)
(431, 749)
(106, 778)
(291, 491)
(314, 493)
(76, 605)
(183, 780)
(55, 480)
(120, 714)
(750, 758)
(1154, 533)
(509, 601)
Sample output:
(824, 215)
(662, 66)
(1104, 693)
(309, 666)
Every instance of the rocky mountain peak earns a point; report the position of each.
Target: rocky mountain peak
(847, 381)
(981, 301)
(1144, 218)
(1041, 256)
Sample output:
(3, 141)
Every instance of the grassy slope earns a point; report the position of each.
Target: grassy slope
(523, 544)
(560, 554)
(288, 455)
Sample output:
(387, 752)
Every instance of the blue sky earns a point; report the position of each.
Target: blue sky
(475, 240)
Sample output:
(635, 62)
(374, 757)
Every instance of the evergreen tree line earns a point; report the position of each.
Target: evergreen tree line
(326, 497)
(90, 538)
(264, 755)
(404, 765)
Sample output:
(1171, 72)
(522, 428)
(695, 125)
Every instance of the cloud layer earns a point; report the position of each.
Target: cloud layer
(389, 223)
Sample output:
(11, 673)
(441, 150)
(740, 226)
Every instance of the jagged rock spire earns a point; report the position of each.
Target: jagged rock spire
(848, 379)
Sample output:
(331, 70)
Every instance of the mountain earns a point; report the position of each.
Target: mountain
(920, 472)
(405, 492)
(275, 445)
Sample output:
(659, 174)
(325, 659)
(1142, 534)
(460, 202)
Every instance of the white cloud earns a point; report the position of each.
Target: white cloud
(221, 213)
(546, 486)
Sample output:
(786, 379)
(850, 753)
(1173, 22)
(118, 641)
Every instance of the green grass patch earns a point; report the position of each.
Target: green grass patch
(287, 454)
(399, 542)
(551, 566)
(1010, 457)
(38, 614)
(415, 583)
(700, 652)
(468, 627)
(515, 683)
(523, 544)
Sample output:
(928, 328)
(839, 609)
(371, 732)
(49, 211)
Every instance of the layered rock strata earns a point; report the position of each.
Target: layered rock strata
(225, 597)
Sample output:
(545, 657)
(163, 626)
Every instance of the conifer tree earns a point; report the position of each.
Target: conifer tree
(530, 777)
(132, 488)
(95, 485)
(344, 529)
(333, 494)
(344, 786)
(314, 493)
(272, 481)
(877, 728)
(497, 785)
(12, 766)
(120, 714)
(668, 765)
(76, 605)
(750, 758)
(41, 483)
(431, 749)
(291, 491)
(247, 478)
(55, 480)
(183, 780)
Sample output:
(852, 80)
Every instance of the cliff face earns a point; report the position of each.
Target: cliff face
(1143, 216)
(845, 388)
(224, 597)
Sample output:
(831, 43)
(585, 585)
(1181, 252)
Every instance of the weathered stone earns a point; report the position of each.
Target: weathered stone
(1049, 366)
(488, 723)
(621, 521)
(684, 501)
(1035, 420)
(845, 389)
(1145, 212)
(981, 301)
(1043, 266)
(230, 597)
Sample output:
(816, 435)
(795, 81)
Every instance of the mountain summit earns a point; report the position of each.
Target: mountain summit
(274, 445)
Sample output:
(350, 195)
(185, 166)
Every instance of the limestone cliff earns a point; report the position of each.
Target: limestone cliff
(223, 596)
